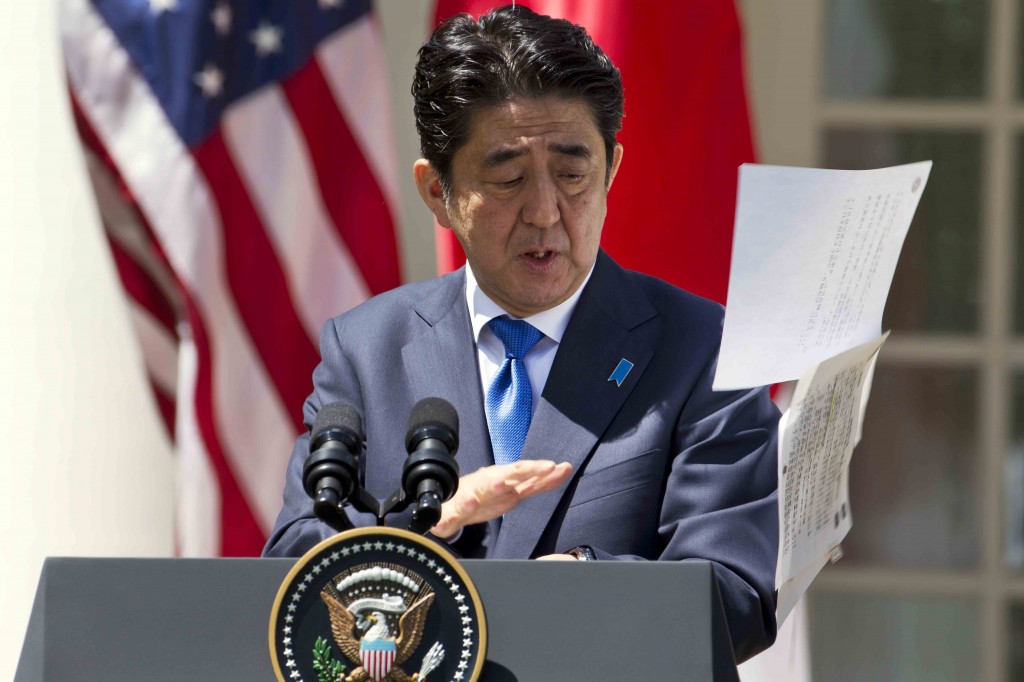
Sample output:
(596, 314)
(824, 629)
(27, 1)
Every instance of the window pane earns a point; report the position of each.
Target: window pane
(1015, 642)
(857, 637)
(1013, 480)
(1018, 282)
(935, 288)
(913, 478)
(912, 48)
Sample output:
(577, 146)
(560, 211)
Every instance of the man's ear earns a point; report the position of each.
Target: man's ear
(429, 186)
(616, 160)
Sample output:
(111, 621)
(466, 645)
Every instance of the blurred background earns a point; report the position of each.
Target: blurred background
(932, 583)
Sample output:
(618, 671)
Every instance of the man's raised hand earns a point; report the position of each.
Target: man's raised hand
(491, 491)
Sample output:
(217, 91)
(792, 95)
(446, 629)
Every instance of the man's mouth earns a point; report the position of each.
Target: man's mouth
(539, 255)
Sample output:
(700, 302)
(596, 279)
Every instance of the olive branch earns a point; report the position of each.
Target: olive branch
(328, 668)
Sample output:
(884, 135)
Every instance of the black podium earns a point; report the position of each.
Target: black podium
(207, 619)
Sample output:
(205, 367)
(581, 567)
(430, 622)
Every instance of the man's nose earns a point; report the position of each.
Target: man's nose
(540, 205)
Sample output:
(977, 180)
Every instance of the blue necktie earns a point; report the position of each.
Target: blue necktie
(509, 401)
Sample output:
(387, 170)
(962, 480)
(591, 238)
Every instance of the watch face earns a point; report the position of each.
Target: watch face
(380, 605)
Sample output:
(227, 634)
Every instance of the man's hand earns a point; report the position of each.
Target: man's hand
(489, 492)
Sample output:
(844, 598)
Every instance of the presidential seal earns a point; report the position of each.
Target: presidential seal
(377, 605)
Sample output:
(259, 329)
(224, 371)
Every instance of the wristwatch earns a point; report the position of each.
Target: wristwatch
(582, 553)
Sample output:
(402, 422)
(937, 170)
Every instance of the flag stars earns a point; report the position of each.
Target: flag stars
(267, 39)
(160, 6)
(221, 18)
(210, 80)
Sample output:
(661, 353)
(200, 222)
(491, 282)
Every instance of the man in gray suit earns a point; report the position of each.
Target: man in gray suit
(589, 429)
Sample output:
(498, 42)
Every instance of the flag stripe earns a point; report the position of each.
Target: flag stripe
(258, 285)
(142, 288)
(166, 405)
(357, 207)
(245, 534)
(355, 68)
(159, 347)
(278, 174)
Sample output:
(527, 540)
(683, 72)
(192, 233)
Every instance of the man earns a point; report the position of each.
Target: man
(549, 351)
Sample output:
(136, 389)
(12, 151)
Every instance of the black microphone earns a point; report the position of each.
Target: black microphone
(431, 474)
(330, 475)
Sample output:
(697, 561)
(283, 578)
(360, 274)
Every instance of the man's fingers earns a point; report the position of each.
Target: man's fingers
(525, 488)
(492, 491)
(525, 468)
(550, 480)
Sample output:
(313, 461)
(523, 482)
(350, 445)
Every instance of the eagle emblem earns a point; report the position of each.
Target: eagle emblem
(377, 605)
(368, 605)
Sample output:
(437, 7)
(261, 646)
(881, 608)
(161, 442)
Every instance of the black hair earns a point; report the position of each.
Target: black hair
(510, 53)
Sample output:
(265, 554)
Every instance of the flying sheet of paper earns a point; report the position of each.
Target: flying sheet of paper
(814, 253)
(817, 435)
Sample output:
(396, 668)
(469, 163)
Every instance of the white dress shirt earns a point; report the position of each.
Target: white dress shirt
(490, 351)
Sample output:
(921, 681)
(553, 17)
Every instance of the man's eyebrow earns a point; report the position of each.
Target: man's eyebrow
(500, 156)
(578, 150)
(496, 158)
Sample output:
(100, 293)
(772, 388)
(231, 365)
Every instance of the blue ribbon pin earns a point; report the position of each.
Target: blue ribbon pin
(621, 370)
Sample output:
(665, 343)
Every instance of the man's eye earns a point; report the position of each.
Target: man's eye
(508, 183)
(572, 177)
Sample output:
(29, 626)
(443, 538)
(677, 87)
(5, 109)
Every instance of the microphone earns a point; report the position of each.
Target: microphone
(431, 474)
(330, 475)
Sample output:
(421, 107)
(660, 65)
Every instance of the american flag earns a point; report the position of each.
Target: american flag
(241, 155)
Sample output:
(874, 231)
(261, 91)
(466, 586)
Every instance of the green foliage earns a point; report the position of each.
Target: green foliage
(328, 669)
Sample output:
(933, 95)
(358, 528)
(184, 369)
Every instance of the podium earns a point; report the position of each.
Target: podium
(207, 619)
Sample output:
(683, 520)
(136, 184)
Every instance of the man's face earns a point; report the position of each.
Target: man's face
(527, 200)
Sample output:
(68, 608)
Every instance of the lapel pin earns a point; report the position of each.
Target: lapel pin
(621, 370)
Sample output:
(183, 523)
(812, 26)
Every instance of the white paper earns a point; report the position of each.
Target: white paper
(817, 435)
(814, 253)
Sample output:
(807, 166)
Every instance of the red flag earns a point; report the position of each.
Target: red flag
(686, 131)
(245, 174)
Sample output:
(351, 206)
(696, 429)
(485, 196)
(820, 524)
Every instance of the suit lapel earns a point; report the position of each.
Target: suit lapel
(442, 362)
(579, 402)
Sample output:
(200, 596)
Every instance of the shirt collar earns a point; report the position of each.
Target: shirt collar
(551, 322)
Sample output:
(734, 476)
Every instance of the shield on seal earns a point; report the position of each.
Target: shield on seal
(377, 655)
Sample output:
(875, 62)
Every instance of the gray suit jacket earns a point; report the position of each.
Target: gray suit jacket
(664, 468)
